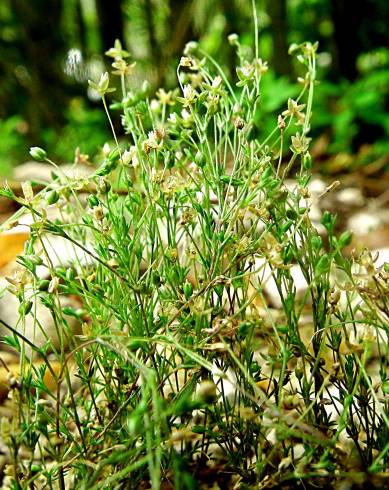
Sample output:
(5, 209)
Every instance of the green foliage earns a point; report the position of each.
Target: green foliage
(11, 142)
(85, 128)
(354, 113)
(182, 362)
(351, 113)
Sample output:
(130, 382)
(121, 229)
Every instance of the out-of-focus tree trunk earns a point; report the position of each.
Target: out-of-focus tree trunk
(179, 30)
(110, 20)
(40, 74)
(156, 52)
(81, 28)
(233, 21)
(347, 17)
(277, 11)
(181, 27)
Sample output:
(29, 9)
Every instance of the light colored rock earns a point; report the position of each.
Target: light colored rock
(317, 186)
(39, 325)
(42, 171)
(351, 196)
(268, 284)
(382, 255)
(364, 222)
(226, 383)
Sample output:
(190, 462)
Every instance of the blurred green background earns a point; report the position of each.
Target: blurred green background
(50, 48)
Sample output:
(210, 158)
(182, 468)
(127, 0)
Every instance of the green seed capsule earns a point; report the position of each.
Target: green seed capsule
(70, 274)
(69, 311)
(345, 239)
(52, 198)
(328, 220)
(93, 201)
(200, 160)
(25, 307)
(226, 179)
(188, 290)
(307, 161)
(291, 214)
(116, 106)
(316, 242)
(107, 167)
(323, 265)
(43, 285)
(135, 344)
(34, 259)
(114, 155)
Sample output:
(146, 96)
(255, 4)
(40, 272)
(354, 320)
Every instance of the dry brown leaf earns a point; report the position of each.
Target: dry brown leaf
(11, 244)
(14, 369)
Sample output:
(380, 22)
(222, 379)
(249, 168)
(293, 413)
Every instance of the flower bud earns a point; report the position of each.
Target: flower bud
(233, 39)
(190, 47)
(345, 239)
(38, 154)
(52, 197)
(98, 213)
(93, 201)
(25, 307)
(200, 160)
(53, 285)
(188, 290)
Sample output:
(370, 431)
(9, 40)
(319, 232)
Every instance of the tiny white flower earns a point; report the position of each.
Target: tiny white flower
(216, 83)
(189, 93)
(106, 150)
(155, 105)
(153, 139)
(233, 39)
(186, 115)
(173, 118)
(27, 191)
(126, 157)
(134, 156)
(130, 157)
(185, 61)
(247, 70)
(165, 97)
(102, 86)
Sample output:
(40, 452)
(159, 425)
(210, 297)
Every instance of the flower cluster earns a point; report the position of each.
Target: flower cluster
(122, 68)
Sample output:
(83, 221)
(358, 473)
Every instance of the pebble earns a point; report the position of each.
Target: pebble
(364, 222)
(39, 325)
(43, 171)
(351, 196)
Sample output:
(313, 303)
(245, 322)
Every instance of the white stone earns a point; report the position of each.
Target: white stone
(42, 171)
(39, 324)
(363, 222)
(382, 257)
(317, 186)
(351, 196)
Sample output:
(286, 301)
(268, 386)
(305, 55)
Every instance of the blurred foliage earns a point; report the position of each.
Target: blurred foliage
(11, 142)
(85, 128)
(48, 51)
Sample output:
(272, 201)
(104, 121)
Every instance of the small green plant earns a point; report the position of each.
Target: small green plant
(183, 368)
